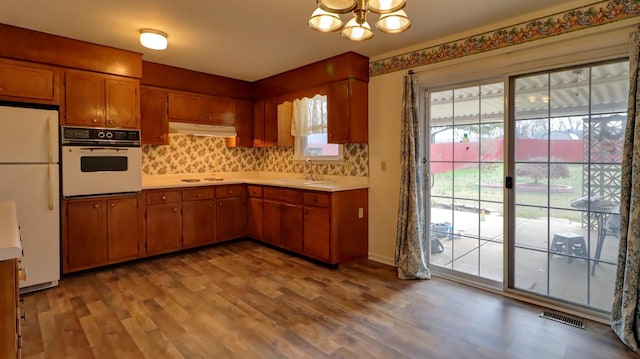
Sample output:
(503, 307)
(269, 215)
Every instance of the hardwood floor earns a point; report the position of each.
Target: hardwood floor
(244, 300)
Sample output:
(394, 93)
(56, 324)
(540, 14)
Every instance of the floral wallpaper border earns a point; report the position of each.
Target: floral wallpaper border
(599, 13)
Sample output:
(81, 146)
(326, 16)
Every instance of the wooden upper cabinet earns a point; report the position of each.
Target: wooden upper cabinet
(347, 112)
(122, 103)
(265, 124)
(27, 81)
(154, 124)
(186, 107)
(219, 111)
(84, 97)
(244, 125)
(101, 100)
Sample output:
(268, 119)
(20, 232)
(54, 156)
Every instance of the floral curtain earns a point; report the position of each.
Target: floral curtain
(411, 244)
(625, 314)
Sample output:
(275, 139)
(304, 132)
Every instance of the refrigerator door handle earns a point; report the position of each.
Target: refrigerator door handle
(53, 138)
(52, 190)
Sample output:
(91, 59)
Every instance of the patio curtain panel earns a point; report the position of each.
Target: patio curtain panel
(411, 245)
(625, 314)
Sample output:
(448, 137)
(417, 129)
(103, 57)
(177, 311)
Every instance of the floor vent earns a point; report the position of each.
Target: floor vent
(563, 319)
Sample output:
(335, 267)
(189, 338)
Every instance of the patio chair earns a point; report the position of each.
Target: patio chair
(611, 228)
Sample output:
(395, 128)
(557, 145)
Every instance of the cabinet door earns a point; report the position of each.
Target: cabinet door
(9, 320)
(154, 125)
(185, 107)
(271, 224)
(220, 111)
(244, 124)
(258, 123)
(164, 228)
(86, 231)
(26, 81)
(230, 217)
(317, 226)
(84, 98)
(122, 228)
(198, 223)
(254, 218)
(271, 122)
(347, 112)
(122, 103)
(292, 227)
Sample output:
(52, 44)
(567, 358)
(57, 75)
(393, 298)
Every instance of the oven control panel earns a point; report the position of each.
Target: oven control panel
(100, 136)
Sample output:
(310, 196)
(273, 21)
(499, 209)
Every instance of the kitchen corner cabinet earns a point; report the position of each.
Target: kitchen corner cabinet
(99, 231)
(265, 123)
(163, 222)
(347, 112)
(198, 217)
(254, 212)
(154, 124)
(230, 212)
(211, 110)
(98, 100)
(26, 82)
(10, 328)
(328, 226)
(244, 125)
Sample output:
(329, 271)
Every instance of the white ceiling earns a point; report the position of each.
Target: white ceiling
(250, 39)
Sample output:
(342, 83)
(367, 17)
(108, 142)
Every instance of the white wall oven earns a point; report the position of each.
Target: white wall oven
(98, 161)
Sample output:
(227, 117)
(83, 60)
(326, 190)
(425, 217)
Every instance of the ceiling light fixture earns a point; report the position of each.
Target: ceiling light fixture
(392, 19)
(153, 39)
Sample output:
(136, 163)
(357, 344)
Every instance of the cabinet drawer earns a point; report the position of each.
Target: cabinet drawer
(229, 191)
(163, 197)
(197, 194)
(317, 199)
(283, 194)
(254, 191)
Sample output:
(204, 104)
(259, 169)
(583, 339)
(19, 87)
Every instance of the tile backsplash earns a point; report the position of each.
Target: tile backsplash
(196, 154)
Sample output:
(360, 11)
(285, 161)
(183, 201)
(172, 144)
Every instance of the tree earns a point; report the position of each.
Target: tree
(539, 170)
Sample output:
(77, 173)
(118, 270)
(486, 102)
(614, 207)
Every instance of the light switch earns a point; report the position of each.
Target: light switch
(360, 212)
(383, 166)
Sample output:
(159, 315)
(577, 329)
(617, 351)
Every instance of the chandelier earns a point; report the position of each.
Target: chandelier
(392, 19)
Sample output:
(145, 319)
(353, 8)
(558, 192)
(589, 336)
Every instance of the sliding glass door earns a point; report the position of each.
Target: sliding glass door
(559, 143)
(568, 138)
(466, 141)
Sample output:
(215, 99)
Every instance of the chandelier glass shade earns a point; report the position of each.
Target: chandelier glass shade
(393, 20)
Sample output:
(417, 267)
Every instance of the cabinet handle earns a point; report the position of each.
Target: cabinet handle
(162, 137)
(95, 120)
(96, 206)
(220, 204)
(23, 316)
(110, 122)
(210, 206)
(163, 198)
(1, 88)
(230, 192)
(113, 204)
(199, 194)
(175, 210)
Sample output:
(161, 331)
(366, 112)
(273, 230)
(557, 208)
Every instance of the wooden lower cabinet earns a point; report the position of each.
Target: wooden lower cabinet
(198, 223)
(328, 226)
(254, 217)
(316, 241)
(100, 230)
(164, 228)
(10, 332)
(230, 218)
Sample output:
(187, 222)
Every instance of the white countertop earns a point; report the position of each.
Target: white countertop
(10, 246)
(290, 180)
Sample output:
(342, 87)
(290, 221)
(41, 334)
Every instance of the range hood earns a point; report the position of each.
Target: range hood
(195, 129)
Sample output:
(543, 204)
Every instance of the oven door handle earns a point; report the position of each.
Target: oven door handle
(103, 149)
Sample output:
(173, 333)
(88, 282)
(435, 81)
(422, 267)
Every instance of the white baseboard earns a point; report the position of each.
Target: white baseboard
(382, 259)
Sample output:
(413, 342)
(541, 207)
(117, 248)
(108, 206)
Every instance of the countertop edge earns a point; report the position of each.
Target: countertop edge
(338, 187)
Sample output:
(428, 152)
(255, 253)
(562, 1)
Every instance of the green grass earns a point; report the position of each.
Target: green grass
(464, 184)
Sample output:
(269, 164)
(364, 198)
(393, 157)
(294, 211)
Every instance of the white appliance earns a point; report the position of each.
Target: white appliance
(29, 176)
(97, 161)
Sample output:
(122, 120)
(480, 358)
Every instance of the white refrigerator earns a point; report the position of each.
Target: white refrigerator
(29, 176)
